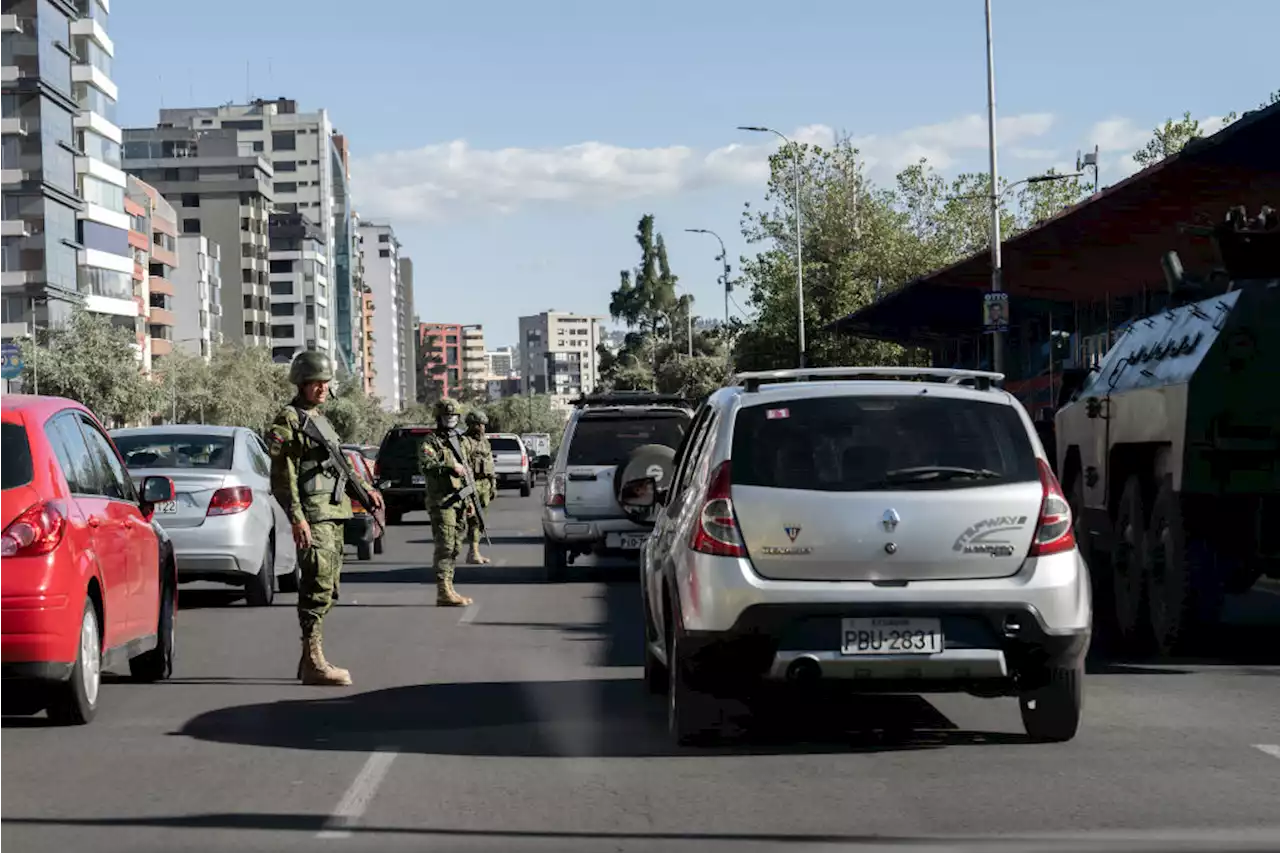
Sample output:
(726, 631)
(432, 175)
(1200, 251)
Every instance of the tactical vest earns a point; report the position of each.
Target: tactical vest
(314, 479)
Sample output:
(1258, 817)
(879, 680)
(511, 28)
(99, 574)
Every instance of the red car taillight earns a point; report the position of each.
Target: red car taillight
(555, 491)
(230, 500)
(717, 530)
(1054, 533)
(37, 531)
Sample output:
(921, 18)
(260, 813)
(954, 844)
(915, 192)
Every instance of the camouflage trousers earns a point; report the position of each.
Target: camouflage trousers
(447, 529)
(484, 488)
(319, 568)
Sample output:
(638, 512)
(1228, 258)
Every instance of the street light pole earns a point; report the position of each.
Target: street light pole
(997, 336)
(724, 259)
(799, 240)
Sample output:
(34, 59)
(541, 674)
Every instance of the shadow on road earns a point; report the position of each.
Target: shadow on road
(589, 718)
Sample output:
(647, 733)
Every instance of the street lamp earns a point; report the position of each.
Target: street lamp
(723, 257)
(799, 247)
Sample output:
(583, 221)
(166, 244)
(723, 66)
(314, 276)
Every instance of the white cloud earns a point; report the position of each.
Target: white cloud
(423, 183)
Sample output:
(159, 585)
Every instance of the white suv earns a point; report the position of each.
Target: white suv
(897, 529)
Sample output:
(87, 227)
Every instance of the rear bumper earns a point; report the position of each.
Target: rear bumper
(511, 477)
(996, 648)
(565, 530)
(358, 529)
(222, 547)
(40, 636)
(401, 500)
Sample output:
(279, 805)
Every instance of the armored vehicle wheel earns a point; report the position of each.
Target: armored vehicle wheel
(1184, 589)
(1128, 568)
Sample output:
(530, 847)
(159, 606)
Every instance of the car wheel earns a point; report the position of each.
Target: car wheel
(525, 488)
(1128, 567)
(75, 702)
(157, 664)
(693, 717)
(1051, 711)
(1185, 592)
(377, 545)
(364, 550)
(555, 562)
(394, 517)
(261, 589)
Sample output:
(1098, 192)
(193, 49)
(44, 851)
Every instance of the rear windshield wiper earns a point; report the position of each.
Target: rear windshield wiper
(931, 474)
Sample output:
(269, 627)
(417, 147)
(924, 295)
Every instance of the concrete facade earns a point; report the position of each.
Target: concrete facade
(559, 355)
(381, 257)
(197, 302)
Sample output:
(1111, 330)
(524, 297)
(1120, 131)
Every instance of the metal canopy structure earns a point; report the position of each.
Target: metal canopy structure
(1107, 246)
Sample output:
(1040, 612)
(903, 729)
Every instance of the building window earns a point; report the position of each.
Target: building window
(283, 140)
(384, 238)
(282, 309)
(281, 288)
(191, 226)
(190, 200)
(384, 253)
(258, 145)
(282, 331)
(243, 124)
(286, 187)
(286, 165)
(311, 313)
(281, 266)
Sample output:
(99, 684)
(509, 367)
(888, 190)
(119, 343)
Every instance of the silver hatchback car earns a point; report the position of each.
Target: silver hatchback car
(897, 529)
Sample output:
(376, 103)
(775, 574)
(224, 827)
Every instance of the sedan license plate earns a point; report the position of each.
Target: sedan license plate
(891, 636)
(167, 508)
(419, 479)
(626, 541)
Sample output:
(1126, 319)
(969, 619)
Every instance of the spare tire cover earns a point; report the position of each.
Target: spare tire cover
(647, 460)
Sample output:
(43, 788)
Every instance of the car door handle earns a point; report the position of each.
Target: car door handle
(580, 477)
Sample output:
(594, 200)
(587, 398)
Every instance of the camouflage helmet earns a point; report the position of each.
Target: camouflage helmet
(445, 408)
(310, 366)
(477, 418)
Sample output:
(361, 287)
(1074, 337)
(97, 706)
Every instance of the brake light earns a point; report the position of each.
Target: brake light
(555, 491)
(1054, 532)
(230, 500)
(524, 460)
(717, 530)
(37, 531)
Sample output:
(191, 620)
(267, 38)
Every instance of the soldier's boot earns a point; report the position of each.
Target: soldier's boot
(315, 670)
(447, 596)
(474, 557)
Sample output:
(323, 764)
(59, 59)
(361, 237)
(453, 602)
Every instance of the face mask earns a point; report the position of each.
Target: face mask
(451, 422)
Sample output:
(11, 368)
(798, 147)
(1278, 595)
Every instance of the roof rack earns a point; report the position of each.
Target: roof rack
(629, 398)
(983, 380)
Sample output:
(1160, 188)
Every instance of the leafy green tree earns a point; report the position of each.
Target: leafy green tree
(186, 386)
(527, 413)
(1172, 136)
(249, 389)
(94, 362)
(358, 417)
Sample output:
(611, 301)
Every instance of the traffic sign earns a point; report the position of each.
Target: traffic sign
(11, 365)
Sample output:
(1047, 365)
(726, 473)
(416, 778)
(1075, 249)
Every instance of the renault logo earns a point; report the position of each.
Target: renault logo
(890, 520)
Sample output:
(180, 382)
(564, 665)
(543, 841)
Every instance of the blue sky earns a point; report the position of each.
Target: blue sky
(515, 143)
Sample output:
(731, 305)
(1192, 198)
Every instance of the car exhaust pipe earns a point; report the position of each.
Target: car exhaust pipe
(804, 670)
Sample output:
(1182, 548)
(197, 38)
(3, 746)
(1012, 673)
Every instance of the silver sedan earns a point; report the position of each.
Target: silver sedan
(225, 525)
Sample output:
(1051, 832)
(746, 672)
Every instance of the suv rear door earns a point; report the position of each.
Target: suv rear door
(602, 440)
(912, 486)
(508, 454)
(398, 457)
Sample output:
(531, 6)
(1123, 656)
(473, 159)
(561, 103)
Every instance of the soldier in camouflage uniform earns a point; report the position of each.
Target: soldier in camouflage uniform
(304, 484)
(486, 479)
(445, 471)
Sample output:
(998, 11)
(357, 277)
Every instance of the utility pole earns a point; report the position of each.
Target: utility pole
(997, 336)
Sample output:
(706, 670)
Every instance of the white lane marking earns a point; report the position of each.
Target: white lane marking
(470, 615)
(1269, 748)
(356, 799)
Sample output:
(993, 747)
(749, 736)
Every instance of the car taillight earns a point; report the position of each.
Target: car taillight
(37, 531)
(230, 500)
(555, 491)
(524, 460)
(717, 530)
(1054, 533)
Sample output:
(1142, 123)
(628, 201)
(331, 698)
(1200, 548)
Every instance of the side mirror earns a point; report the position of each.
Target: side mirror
(639, 494)
(156, 490)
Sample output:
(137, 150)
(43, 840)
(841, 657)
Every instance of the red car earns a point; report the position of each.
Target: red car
(89, 580)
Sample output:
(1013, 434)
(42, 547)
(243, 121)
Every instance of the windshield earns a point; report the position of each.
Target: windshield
(606, 440)
(844, 444)
(176, 450)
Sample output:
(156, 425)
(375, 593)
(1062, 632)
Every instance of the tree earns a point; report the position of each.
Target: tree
(94, 362)
(525, 414)
(358, 417)
(1171, 137)
(249, 389)
(853, 238)
(431, 368)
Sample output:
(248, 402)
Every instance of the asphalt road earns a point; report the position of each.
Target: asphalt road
(521, 724)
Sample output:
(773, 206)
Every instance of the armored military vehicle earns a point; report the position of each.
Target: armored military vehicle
(1170, 450)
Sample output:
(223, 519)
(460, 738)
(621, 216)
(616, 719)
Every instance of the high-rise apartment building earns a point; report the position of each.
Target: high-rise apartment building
(501, 362)
(197, 303)
(381, 258)
(309, 177)
(223, 192)
(440, 349)
(409, 376)
(300, 286)
(559, 354)
(153, 238)
(105, 261)
(475, 367)
(345, 286)
(41, 197)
